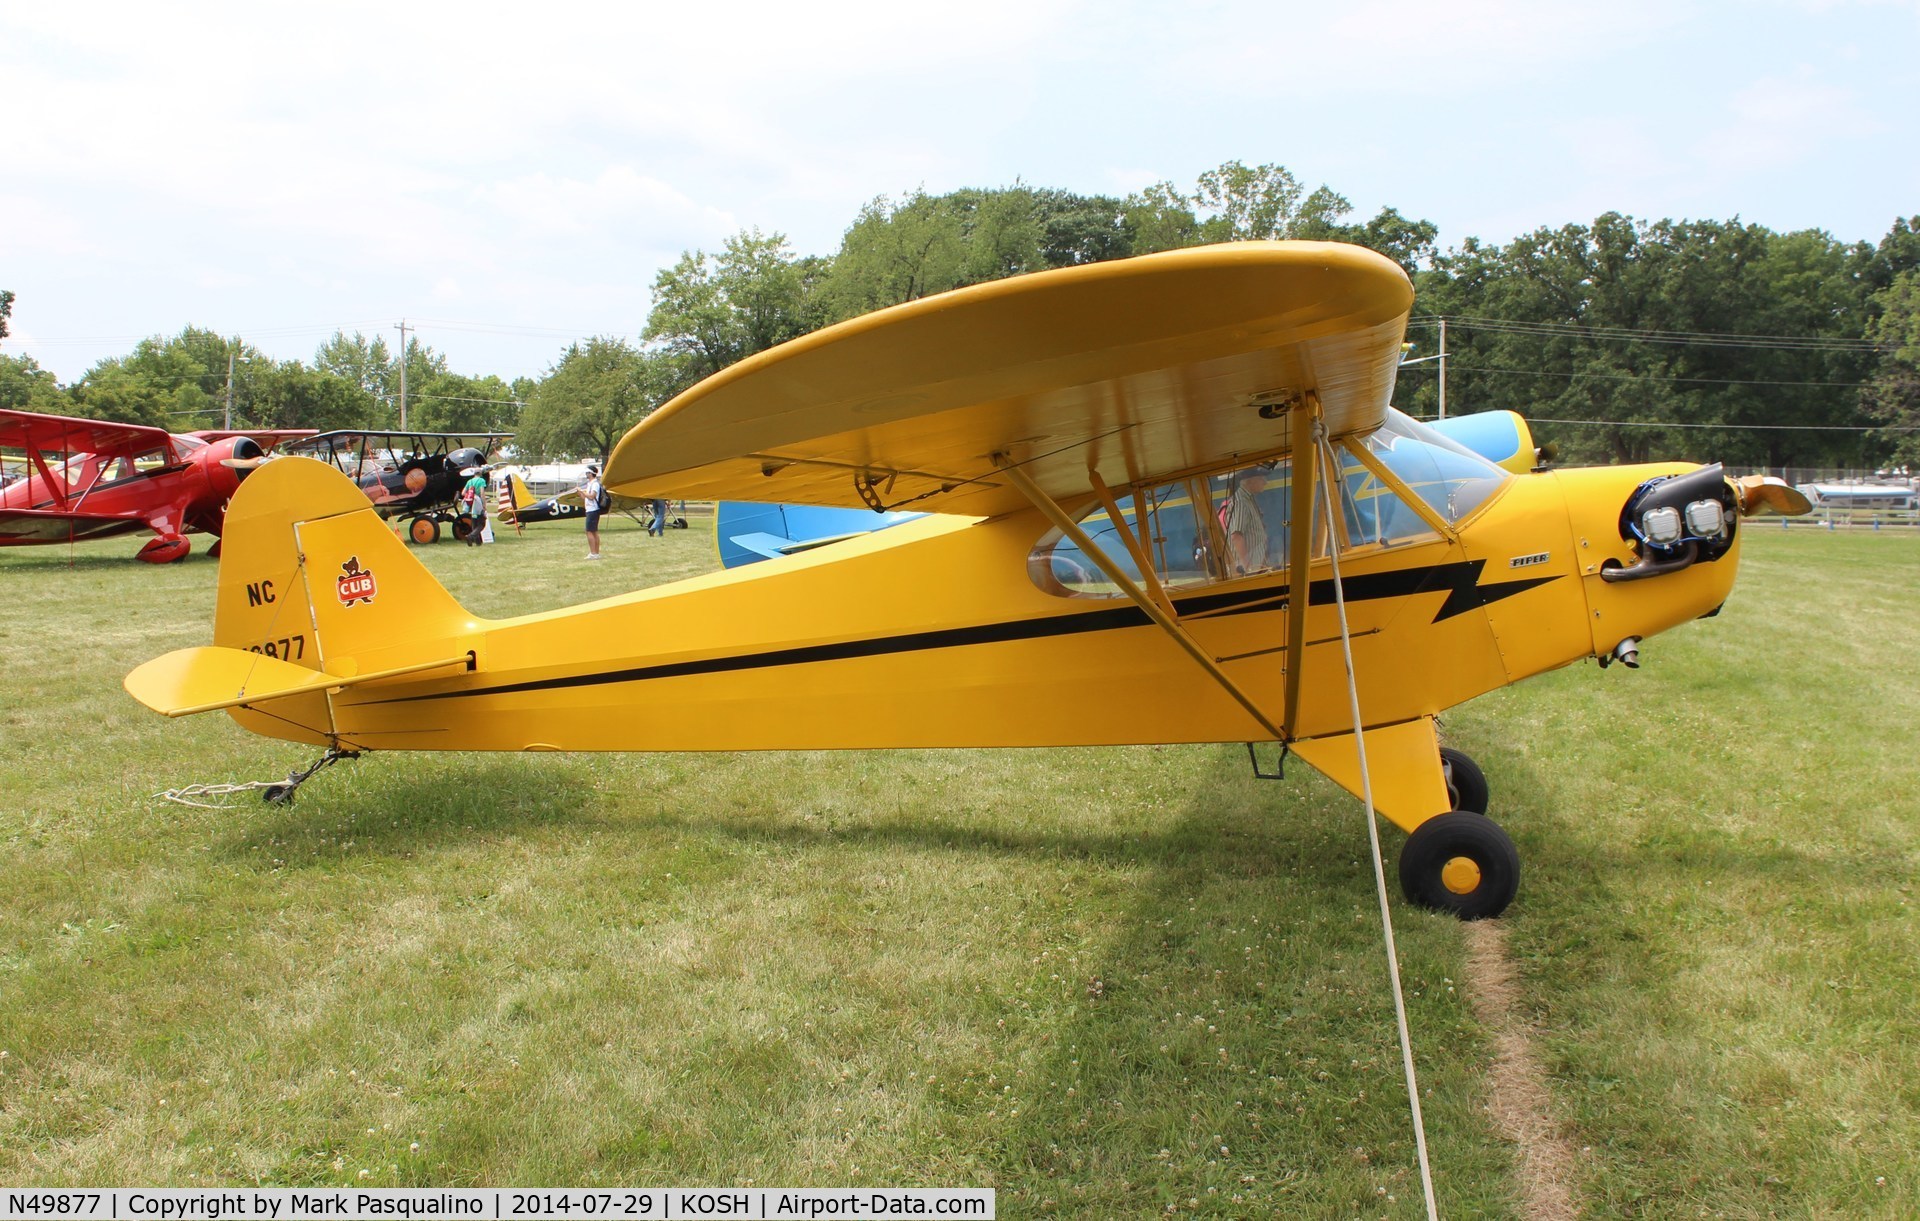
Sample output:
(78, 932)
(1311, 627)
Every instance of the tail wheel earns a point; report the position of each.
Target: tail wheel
(1466, 783)
(424, 530)
(1461, 863)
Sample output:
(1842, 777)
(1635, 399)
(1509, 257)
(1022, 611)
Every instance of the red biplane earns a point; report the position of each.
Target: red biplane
(86, 479)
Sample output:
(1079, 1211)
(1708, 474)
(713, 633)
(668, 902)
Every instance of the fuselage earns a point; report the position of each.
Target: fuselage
(938, 633)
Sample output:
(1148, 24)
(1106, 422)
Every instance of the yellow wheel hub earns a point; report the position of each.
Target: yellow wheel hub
(1460, 875)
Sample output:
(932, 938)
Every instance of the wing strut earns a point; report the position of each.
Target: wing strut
(1304, 418)
(1067, 526)
(1137, 549)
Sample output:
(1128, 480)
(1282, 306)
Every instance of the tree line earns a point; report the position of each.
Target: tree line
(1626, 339)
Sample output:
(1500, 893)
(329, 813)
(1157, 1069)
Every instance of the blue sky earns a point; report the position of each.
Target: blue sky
(511, 177)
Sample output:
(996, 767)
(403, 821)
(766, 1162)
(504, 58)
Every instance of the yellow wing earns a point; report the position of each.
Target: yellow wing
(1135, 368)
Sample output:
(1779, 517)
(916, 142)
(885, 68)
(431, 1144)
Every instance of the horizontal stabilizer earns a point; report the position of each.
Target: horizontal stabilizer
(772, 545)
(769, 546)
(205, 679)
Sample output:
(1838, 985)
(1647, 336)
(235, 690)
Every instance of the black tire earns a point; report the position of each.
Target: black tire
(423, 530)
(463, 529)
(1461, 863)
(1466, 783)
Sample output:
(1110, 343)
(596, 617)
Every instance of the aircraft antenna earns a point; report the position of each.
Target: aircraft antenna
(1327, 483)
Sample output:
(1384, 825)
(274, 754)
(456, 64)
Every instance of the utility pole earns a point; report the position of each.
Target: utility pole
(228, 422)
(1443, 366)
(403, 375)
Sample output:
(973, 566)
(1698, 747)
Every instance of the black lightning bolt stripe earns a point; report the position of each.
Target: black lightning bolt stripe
(1459, 580)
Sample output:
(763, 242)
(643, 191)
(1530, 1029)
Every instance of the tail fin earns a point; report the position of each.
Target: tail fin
(311, 577)
(523, 497)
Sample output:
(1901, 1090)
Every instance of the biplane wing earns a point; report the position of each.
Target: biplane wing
(266, 437)
(1129, 370)
(51, 435)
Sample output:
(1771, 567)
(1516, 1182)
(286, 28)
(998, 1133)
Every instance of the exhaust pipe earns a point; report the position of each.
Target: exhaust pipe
(1627, 653)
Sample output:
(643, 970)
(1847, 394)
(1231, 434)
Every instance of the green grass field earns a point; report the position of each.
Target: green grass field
(1104, 982)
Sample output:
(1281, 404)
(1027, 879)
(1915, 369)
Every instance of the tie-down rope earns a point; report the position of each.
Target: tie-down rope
(1328, 484)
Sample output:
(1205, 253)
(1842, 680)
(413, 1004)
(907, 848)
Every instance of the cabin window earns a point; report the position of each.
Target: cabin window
(1196, 531)
(1175, 542)
(128, 466)
(1234, 524)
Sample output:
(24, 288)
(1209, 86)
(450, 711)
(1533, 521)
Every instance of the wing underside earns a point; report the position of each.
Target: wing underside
(54, 526)
(1133, 370)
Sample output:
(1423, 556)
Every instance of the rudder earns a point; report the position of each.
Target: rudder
(310, 575)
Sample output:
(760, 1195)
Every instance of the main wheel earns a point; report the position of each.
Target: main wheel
(1461, 863)
(424, 530)
(462, 528)
(1466, 783)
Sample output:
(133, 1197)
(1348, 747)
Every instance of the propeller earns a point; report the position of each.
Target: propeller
(1766, 496)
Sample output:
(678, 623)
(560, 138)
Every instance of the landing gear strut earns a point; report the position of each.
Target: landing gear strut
(1466, 783)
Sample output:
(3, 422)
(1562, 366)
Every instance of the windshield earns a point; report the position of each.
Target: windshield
(1452, 479)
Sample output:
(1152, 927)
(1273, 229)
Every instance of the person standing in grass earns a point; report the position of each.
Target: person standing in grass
(473, 504)
(591, 493)
(658, 526)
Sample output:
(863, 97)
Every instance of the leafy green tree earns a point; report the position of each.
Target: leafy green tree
(176, 383)
(1241, 203)
(452, 402)
(25, 386)
(287, 394)
(1643, 325)
(111, 391)
(1893, 396)
(590, 398)
(6, 310)
(930, 244)
(1160, 218)
(1080, 229)
(1253, 203)
(712, 310)
(365, 363)
(1898, 252)
(895, 254)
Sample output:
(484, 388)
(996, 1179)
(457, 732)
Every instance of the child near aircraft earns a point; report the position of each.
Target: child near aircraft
(590, 493)
(473, 504)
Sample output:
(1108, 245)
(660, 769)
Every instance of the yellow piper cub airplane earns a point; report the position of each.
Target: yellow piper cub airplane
(1166, 497)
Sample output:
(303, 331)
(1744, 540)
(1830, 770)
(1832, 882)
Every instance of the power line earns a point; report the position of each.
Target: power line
(1649, 377)
(292, 331)
(454, 398)
(1619, 334)
(1887, 428)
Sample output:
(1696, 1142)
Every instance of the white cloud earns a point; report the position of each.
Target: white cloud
(245, 164)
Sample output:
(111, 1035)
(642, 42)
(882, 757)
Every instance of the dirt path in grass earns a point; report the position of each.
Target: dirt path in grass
(1521, 1105)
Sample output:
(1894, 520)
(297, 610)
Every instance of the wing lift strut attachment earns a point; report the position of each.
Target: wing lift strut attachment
(1314, 467)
